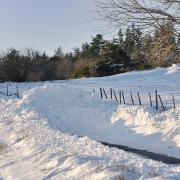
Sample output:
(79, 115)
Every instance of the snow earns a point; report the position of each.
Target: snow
(175, 68)
(160, 130)
(52, 131)
(116, 65)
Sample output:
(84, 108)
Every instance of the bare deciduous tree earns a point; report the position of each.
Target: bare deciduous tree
(163, 49)
(146, 14)
(63, 69)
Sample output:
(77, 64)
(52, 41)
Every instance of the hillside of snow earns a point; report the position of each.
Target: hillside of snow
(52, 131)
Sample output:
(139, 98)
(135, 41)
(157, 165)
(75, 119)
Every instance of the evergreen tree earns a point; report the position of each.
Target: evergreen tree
(85, 49)
(13, 55)
(133, 43)
(96, 45)
(128, 42)
(76, 52)
(59, 53)
(44, 58)
(137, 50)
(115, 54)
(121, 39)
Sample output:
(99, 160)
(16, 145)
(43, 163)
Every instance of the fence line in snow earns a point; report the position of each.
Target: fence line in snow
(161, 101)
(8, 89)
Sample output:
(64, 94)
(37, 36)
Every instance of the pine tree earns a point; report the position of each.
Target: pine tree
(77, 52)
(96, 45)
(85, 49)
(121, 39)
(137, 50)
(128, 42)
(59, 52)
(115, 54)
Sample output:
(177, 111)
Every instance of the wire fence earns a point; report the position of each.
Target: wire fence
(157, 100)
(9, 90)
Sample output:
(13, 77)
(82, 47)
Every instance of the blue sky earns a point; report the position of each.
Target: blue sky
(45, 24)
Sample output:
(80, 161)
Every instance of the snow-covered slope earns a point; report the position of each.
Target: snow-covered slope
(74, 110)
(40, 133)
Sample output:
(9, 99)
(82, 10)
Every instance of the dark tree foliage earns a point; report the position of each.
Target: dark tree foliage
(33, 66)
(96, 45)
(129, 50)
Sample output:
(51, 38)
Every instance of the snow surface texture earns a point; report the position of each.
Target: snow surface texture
(41, 133)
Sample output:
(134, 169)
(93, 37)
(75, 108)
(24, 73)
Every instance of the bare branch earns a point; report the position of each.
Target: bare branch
(146, 14)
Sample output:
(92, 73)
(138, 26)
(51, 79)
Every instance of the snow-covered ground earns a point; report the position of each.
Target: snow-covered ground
(52, 131)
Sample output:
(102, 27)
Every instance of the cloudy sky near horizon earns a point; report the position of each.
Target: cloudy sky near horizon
(45, 24)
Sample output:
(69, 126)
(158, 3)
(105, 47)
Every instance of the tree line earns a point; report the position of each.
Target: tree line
(131, 49)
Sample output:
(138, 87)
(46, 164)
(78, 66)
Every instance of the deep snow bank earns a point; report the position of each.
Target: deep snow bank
(74, 110)
(70, 109)
(36, 151)
(36, 129)
(147, 121)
